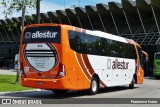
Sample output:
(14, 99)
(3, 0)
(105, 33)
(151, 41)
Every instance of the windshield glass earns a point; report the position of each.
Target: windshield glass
(41, 34)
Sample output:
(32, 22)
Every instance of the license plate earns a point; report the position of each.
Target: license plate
(39, 83)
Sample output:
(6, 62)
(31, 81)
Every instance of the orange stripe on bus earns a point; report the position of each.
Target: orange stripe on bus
(82, 66)
(91, 70)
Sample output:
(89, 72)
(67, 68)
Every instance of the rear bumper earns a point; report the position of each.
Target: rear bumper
(44, 83)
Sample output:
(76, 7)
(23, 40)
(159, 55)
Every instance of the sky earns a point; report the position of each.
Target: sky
(52, 5)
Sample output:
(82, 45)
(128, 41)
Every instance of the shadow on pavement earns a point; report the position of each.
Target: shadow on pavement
(46, 94)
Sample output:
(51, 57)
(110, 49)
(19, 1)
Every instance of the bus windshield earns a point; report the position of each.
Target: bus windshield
(157, 56)
(41, 34)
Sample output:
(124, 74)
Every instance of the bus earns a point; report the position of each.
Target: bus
(156, 69)
(62, 57)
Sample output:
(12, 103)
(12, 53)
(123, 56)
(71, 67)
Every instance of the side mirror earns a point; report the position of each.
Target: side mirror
(146, 55)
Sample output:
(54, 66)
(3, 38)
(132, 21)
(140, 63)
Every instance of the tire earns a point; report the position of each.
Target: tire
(94, 86)
(60, 92)
(131, 86)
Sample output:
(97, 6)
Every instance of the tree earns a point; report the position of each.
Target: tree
(17, 5)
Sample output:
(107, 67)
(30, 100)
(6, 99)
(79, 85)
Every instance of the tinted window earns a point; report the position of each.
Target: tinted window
(89, 44)
(83, 43)
(41, 34)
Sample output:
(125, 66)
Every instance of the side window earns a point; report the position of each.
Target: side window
(103, 47)
(75, 41)
(83, 43)
(110, 48)
(89, 44)
(92, 44)
(121, 49)
(115, 48)
(130, 51)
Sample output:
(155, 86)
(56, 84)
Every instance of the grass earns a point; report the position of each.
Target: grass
(7, 83)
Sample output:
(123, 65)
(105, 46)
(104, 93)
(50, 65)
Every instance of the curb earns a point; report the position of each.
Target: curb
(19, 92)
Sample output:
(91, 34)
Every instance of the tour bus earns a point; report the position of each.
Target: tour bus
(156, 68)
(62, 57)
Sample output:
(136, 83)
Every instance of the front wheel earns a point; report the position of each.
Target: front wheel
(94, 86)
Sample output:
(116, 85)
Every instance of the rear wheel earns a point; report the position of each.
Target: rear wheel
(131, 86)
(94, 86)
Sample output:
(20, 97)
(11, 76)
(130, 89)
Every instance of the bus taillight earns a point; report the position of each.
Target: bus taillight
(61, 72)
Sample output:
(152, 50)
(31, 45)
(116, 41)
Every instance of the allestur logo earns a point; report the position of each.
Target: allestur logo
(120, 65)
(28, 35)
(39, 34)
(108, 63)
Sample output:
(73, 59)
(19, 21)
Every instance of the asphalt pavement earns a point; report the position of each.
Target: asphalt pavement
(149, 89)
